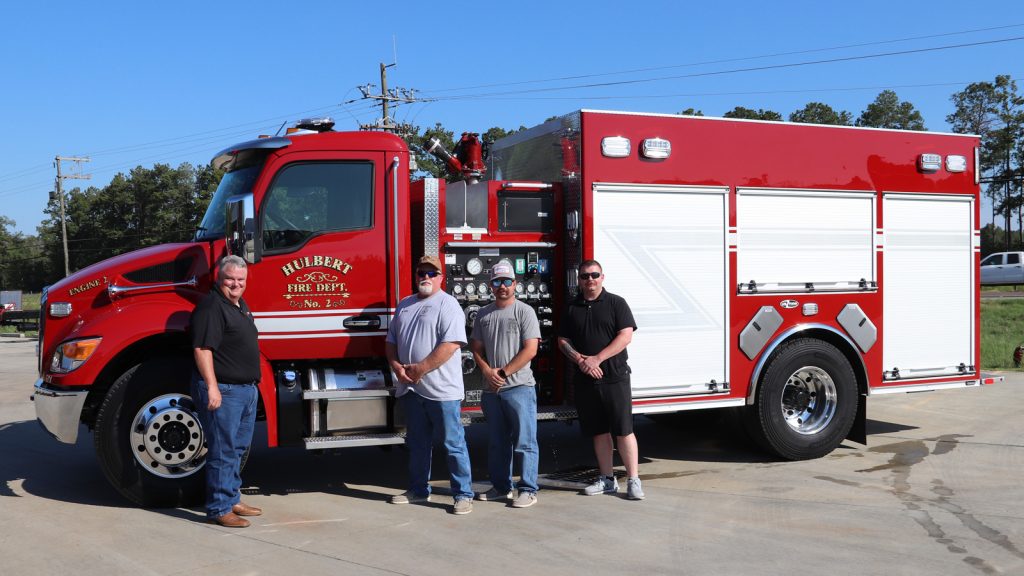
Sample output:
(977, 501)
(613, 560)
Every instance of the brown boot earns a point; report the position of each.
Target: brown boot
(243, 509)
(231, 520)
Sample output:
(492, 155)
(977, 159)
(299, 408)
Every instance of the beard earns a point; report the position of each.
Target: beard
(426, 288)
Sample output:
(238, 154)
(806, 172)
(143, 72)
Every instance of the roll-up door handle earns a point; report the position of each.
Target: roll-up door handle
(362, 323)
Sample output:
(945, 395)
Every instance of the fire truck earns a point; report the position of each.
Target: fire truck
(786, 271)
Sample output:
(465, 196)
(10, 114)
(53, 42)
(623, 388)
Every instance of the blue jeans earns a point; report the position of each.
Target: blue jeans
(512, 427)
(228, 432)
(424, 420)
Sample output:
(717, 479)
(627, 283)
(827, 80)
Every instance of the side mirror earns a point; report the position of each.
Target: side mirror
(241, 227)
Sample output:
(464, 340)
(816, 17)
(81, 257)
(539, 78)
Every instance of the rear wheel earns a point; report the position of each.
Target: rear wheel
(148, 438)
(806, 400)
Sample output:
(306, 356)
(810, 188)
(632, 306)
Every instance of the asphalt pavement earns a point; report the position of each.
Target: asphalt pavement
(937, 490)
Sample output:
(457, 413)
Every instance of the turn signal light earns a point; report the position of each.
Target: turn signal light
(71, 355)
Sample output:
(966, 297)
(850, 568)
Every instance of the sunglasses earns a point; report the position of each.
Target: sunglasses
(427, 273)
(506, 282)
(591, 275)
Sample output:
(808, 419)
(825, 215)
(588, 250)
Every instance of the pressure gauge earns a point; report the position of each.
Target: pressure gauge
(482, 289)
(531, 288)
(470, 288)
(474, 266)
(543, 288)
(457, 289)
(519, 288)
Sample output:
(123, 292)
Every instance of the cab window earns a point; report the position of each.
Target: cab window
(1013, 258)
(311, 198)
(993, 260)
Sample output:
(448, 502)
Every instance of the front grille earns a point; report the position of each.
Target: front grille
(42, 328)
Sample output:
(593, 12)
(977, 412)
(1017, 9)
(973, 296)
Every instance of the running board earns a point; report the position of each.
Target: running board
(354, 440)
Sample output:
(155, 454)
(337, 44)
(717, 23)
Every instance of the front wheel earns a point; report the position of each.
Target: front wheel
(148, 438)
(806, 400)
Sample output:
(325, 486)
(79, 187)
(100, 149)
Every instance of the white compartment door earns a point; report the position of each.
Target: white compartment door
(663, 249)
(928, 285)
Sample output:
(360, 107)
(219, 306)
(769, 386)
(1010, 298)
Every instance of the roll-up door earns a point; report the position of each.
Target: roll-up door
(805, 240)
(663, 249)
(928, 286)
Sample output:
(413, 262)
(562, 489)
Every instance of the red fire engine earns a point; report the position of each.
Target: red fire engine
(786, 270)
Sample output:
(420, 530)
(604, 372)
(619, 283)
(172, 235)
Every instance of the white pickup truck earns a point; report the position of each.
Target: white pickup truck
(1003, 268)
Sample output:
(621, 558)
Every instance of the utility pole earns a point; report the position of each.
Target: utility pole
(77, 175)
(386, 96)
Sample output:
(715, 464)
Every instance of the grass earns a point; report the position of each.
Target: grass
(29, 301)
(1002, 330)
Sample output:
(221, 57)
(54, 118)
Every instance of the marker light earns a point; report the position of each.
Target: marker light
(60, 309)
(956, 163)
(656, 148)
(929, 162)
(615, 146)
(71, 355)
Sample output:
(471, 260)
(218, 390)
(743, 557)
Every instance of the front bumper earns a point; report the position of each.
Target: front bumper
(59, 411)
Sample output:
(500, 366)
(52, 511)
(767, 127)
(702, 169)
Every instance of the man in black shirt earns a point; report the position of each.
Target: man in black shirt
(594, 333)
(227, 355)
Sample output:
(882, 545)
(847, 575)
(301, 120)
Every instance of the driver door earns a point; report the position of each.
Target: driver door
(320, 287)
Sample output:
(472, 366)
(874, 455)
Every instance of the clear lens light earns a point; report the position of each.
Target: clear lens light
(60, 309)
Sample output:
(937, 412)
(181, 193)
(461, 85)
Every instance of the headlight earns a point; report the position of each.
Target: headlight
(71, 355)
(60, 309)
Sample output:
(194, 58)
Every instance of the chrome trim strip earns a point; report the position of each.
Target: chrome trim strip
(500, 244)
(114, 290)
(785, 336)
(330, 335)
(922, 387)
(59, 411)
(541, 185)
(394, 205)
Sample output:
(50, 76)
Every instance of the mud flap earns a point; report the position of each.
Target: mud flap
(858, 432)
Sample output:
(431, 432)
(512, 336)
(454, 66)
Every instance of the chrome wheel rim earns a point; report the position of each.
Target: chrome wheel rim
(809, 400)
(167, 438)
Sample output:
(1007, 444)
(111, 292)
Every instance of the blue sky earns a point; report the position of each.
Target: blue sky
(136, 83)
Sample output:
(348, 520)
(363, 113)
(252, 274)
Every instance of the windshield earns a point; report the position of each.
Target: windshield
(246, 167)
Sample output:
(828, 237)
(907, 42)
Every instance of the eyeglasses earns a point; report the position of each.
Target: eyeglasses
(591, 275)
(506, 282)
(427, 273)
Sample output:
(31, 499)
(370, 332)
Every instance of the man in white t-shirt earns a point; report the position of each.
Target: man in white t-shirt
(422, 348)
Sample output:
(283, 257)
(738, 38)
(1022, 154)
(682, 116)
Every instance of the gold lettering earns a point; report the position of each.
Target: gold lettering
(287, 269)
(318, 260)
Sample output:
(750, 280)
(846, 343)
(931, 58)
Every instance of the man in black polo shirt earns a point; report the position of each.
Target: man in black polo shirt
(227, 355)
(594, 333)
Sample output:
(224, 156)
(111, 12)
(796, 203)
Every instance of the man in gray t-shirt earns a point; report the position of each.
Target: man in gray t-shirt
(505, 338)
(422, 346)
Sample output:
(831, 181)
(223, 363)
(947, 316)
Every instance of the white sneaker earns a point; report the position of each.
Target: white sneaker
(603, 485)
(633, 489)
(462, 506)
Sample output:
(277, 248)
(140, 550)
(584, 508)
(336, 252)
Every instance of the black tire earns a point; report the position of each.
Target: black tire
(806, 400)
(161, 384)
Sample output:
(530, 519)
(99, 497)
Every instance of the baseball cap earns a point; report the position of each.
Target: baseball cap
(502, 270)
(432, 260)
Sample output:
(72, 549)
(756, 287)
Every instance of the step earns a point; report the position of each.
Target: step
(354, 440)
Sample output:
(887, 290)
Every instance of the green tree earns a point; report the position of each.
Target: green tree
(995, 112)
(888, 112)
(751, 114)
(691, 112)
(820, 113)
(23, 263)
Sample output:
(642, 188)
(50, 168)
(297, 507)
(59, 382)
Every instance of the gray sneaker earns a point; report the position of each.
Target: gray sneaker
(633, 489)
(462, 506)
(494, 495)
(603, 485)
(409, 497)
(524, 500)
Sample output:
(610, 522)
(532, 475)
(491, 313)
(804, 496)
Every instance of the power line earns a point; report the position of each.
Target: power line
(727, 60)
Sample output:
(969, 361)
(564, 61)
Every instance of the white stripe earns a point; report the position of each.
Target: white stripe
(309, 324)
(323, 312)
(331, 335)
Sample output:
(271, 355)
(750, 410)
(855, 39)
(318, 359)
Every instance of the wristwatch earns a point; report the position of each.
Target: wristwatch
(501, 372)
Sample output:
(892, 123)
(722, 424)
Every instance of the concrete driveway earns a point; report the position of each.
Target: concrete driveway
(938, 490)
